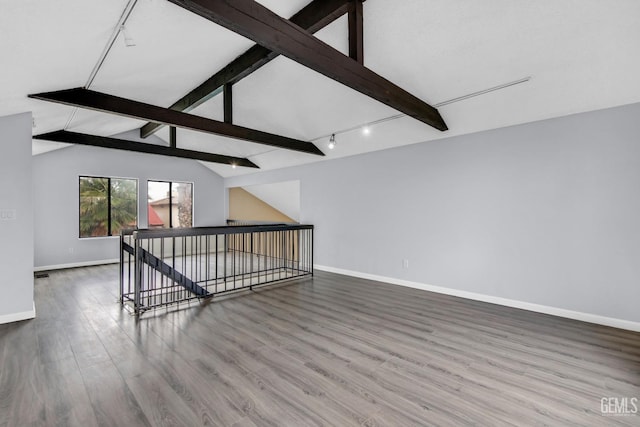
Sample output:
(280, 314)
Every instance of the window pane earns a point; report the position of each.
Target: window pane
(159, 215)
(124, 204)
(170, 204)
(93, 207)
(182, 196)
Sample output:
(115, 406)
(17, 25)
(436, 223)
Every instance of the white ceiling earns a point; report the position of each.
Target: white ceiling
(581, 55)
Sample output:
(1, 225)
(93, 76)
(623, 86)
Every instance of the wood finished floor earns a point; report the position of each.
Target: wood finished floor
(333, 351)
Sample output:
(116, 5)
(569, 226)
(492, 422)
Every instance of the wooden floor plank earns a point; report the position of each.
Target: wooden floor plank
(66, 399)
(563, 352)
(160, 403)
(332, 350)
(113, 402)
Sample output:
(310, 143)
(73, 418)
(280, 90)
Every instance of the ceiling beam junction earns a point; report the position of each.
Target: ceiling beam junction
(123, 144)
(313, 17)
(85, 98)
(254, 21)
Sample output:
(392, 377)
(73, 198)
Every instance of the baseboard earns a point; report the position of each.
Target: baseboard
(555, 311)
(76, 264)
(16, 317)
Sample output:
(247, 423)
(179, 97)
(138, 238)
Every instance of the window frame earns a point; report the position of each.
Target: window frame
(171, 182)
(108, 178)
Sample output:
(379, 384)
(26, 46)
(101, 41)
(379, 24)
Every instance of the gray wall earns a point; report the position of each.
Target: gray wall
(56, 197)
(16, 235)
(546, 213)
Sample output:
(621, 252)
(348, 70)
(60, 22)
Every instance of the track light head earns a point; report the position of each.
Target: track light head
(332, 141)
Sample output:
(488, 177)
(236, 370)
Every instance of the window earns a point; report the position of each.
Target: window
(107, 205)
(170, 204)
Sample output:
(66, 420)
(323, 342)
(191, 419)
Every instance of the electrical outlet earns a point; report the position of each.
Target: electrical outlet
(71, 250)
(7, 214)
(405, 263)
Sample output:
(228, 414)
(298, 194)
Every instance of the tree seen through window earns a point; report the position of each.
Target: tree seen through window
(107, 205)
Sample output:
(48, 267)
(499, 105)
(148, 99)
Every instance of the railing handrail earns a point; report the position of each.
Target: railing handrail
(242, 222)
(209, 231)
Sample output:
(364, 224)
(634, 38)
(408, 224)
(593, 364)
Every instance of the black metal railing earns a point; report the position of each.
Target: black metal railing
(159, 267)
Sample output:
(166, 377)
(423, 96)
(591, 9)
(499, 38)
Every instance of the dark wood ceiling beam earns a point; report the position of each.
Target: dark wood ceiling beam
(356, 32)
(227, 99)
(173, 137)
(313, 17)
(85, 98)
(123, 144)
(254, 21)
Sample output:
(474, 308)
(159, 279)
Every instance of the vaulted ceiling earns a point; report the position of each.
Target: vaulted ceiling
(580, 55)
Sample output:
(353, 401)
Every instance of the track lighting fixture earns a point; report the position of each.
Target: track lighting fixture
(332, 141)
(365, 128)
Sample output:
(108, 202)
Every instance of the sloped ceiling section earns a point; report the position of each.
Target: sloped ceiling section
(581, 56)
(284, 196)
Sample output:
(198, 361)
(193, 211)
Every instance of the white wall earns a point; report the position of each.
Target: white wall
(546, 213)
(56, 198)
(16, 219)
